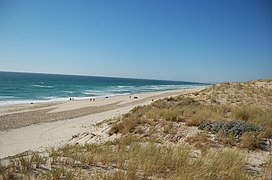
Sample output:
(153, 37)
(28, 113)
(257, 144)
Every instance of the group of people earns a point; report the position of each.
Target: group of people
(135, 97)
(93, 99)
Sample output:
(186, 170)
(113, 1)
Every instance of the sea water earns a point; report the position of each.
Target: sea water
(18, 87)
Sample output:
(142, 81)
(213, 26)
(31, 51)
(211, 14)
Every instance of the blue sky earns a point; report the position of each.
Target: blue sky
(192, 40)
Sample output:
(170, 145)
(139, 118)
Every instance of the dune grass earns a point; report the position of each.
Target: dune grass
(142, 153)
(128, 158)
(133, 160)
(193, 113)
(20, 167)
(250, 102)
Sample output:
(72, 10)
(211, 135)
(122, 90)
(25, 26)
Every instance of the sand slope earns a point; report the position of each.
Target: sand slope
(44, 133)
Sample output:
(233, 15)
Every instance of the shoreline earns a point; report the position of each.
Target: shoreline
(64, 99)
(72, 118)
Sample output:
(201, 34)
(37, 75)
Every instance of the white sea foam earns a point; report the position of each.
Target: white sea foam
(6, 97)
(93, 92)
(102, 96)
(118, 90)
(122, 87)
(69, 92)
(42, 86)
(28, 101)
(107, 92)
(164, 87)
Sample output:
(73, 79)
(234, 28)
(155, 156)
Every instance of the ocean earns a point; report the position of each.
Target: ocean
(18, 87)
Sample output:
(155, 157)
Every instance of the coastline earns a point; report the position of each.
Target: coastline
(4, 103)
(77, 117)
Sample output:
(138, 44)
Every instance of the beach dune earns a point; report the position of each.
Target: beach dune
(39, 126)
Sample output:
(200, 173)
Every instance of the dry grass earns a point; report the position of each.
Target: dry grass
(249, 141)
(182, 109)
(210, 105)
(201, 140)
(20, 167)
(225, 164)
(128, 158)
(150, 146)
(193, 113)
(59, 173)
(257, 93)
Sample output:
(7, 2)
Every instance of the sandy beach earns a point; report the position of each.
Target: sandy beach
(27, 127)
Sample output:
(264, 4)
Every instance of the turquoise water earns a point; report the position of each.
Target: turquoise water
(32, 87)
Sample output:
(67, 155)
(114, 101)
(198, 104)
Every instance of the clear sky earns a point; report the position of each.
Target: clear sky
(192, 40)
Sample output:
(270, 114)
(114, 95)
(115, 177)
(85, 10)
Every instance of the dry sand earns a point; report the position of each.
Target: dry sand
(38, 126)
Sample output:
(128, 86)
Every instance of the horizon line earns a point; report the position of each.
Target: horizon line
(64, 74)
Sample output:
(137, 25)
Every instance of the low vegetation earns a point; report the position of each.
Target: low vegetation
(252, 122)
(165, 117)
(128, 158)
(252, 93)
(239, 133)
(212, 134)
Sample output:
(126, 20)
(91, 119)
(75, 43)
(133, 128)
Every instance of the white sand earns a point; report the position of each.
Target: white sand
(52, 134)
